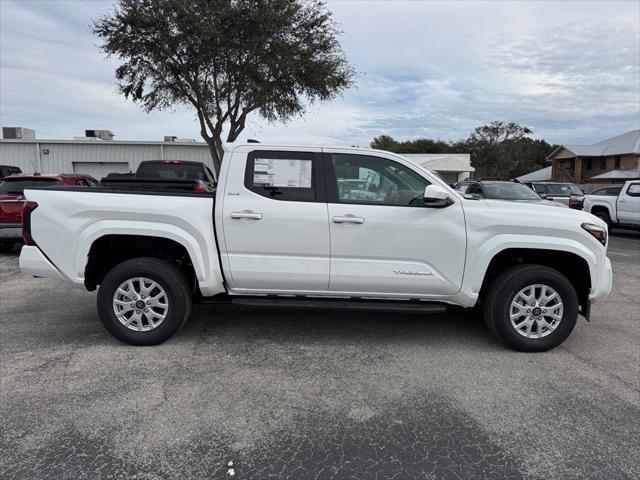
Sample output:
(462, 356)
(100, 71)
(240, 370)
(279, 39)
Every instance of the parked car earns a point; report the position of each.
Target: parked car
(502, 190)
(6, 170)
(12, 200)
(280, 233)
(566, 193)
(618, 206)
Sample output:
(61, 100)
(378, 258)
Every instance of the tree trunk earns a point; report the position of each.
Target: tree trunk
(217, 152)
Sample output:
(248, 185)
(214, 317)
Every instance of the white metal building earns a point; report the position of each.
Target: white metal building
(95, 157)
(452, 167)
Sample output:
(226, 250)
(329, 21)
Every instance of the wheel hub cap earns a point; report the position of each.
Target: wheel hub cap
(536, 311)
(140, 304)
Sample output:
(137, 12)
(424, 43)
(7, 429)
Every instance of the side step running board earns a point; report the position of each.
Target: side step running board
(334, 304)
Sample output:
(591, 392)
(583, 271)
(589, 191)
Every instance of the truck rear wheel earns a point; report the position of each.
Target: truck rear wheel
(531, 308)
(144, 301)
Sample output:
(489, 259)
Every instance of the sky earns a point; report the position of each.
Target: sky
(570, 71)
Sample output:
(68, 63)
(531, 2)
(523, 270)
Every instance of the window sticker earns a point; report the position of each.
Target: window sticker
(274, 172)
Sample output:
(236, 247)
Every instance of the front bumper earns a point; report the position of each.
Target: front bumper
(33, 262)
(604, 280)
(10, 231)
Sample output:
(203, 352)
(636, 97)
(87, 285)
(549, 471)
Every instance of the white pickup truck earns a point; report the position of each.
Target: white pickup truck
(286, 228)
(618, 207)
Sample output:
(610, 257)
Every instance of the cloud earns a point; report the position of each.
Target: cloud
(568, 70)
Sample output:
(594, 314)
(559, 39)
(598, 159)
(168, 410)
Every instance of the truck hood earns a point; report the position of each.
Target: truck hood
(540, 213)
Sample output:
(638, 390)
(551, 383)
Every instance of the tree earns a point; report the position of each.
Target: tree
(506, 150)
(420, 145)
(499, 149)
(226, 58)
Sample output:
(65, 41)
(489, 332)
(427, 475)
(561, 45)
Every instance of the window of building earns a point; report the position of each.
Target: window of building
(603, 163)
(617, 163)
(589, 163)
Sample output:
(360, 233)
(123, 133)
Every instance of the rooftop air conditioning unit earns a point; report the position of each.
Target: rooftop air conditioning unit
(101, 134)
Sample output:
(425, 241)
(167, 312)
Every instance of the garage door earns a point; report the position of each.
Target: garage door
(100, 169)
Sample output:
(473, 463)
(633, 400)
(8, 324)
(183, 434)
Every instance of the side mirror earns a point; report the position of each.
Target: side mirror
(436, 197)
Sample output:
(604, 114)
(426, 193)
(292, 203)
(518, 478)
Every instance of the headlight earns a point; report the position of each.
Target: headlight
(600, 233)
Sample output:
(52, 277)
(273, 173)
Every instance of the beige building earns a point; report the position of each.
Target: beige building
(613, 160)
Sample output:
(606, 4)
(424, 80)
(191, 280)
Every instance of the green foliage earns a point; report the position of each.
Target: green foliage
(226, 58)
(499, 149)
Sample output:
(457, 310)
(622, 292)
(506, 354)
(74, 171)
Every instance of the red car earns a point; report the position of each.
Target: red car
(12, 199)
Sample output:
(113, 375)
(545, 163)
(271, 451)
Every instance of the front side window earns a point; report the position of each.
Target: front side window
(462, 187)
(373, 180)
(288, 176)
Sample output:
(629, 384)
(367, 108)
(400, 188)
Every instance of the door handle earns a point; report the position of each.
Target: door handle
(348, 219)
(247, 215)
(622, 201)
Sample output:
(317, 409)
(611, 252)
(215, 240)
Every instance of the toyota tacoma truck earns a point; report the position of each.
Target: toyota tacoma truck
(618, 207)
(319, 227)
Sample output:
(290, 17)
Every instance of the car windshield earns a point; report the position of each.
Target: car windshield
(18, 186)
(171, 171)
(562, 189)
(509, 191)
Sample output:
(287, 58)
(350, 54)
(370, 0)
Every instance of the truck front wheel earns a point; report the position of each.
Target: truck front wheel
(144, 301)
(604, 216)
(531, 308)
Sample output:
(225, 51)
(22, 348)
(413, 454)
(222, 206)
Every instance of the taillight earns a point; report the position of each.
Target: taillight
(26, 222)
(570, 202)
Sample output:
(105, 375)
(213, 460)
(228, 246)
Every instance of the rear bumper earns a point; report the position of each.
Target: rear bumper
(10, 231)
(33, 262)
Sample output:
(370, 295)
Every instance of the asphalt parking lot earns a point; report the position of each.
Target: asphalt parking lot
(315, 394)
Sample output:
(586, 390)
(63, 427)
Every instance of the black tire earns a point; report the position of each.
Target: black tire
(168, 277)
(504, 288)
(604, 216)
(6, 246)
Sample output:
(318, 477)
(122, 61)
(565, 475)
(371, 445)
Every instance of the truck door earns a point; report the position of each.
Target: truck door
(275, 222)
(383, 238)
(628, 204)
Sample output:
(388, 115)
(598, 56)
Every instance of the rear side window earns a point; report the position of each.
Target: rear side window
(18, 186)
(288, 176)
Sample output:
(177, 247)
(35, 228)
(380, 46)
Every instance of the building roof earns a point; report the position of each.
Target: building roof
(442, 162)
(627, 143)
(542, 175)
(618, 175)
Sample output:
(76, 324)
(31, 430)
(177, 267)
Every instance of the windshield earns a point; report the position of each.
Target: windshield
(171, 171)
(509, 191)
(18, 186)
(562, 189)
